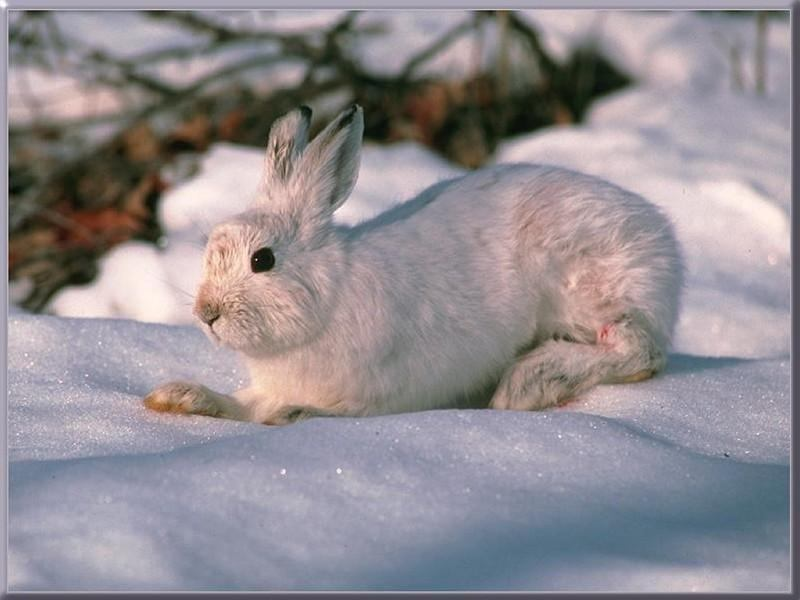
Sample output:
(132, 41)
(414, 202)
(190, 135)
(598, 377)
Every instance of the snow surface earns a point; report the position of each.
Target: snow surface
(678, 483)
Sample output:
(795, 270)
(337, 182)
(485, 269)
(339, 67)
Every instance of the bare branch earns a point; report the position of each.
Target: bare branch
(435, 48)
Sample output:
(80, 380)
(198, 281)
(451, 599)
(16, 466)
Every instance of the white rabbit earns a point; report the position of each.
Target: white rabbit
(521, 283)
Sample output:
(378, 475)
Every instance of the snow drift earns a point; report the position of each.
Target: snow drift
(679, 483)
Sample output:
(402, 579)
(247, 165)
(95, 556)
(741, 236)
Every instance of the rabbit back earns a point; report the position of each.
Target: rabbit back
(448, 288)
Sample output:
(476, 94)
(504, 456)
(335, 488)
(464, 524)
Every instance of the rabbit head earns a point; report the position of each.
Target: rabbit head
(270, 274)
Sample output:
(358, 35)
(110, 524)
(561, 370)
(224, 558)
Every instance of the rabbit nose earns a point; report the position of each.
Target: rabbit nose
(208, 314)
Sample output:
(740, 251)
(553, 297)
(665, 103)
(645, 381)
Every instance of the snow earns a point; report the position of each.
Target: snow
(679, 483)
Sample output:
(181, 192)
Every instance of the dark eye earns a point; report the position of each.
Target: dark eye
(262, 260)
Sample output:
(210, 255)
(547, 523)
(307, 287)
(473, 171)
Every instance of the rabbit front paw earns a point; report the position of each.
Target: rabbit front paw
(183, 397)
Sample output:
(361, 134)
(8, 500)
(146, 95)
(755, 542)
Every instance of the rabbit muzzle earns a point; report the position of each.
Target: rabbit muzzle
(207, 308)
(207, 312)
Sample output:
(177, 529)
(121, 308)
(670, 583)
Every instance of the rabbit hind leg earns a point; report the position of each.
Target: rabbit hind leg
(557, 370)
(634, 352)
(635, 378)
(550, 374)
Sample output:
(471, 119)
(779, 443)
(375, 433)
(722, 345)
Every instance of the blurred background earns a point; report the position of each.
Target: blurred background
(132, 132)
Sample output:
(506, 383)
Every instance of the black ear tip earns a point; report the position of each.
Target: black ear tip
(305, 112)
(349, 114)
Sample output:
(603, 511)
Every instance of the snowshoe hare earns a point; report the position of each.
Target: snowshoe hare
(522, 284)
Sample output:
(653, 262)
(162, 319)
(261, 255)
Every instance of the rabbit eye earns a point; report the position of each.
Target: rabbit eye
(262, 260)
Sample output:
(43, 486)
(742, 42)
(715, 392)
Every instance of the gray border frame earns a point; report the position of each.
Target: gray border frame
(397, 4)
(4, 330)
(794, 7)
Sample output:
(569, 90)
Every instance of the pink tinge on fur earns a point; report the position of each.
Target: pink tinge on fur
(604, 333)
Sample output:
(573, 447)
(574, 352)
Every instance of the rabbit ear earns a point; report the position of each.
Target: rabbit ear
(288, 137)
(330, 163)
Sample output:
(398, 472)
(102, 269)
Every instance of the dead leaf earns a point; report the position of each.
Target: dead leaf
(138, 201)
(196, 133)
(140, 144)
(24, 244)
(230, 123)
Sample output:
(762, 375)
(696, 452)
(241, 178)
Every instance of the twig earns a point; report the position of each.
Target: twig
(529, 34)
(435, 48)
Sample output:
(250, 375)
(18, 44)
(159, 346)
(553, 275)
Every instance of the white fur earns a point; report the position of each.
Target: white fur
(521, 283)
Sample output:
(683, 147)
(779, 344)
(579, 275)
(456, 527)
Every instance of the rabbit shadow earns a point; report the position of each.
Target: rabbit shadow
(680, 364)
